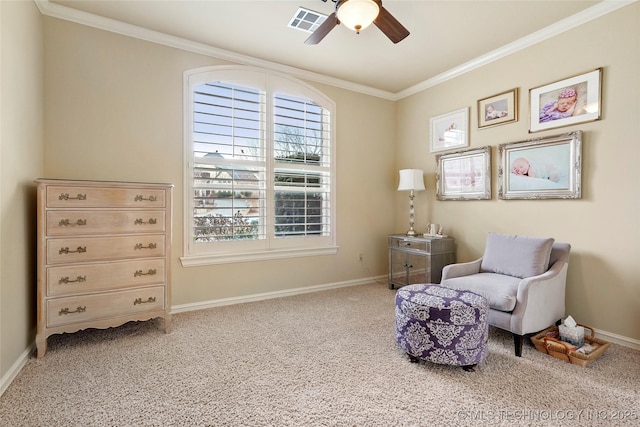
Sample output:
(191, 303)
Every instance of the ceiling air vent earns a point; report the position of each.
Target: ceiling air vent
(306, 20)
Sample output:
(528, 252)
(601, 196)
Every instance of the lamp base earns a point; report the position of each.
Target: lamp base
(411, 232)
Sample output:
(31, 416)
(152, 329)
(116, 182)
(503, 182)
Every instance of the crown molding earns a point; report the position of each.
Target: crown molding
(573, 21)
(91, 20)
(84, 18)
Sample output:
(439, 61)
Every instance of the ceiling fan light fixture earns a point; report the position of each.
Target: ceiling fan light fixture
(358, 14)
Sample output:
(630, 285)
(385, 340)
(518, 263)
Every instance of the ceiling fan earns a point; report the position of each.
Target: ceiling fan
(358, 15)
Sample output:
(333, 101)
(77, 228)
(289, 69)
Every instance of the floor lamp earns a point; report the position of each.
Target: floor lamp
(412, 180)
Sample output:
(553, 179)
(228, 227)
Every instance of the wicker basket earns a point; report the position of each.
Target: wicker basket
(546, 343)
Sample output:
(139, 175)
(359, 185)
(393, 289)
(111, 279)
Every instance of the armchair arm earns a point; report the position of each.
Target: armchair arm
(461, 269)
(540, 300)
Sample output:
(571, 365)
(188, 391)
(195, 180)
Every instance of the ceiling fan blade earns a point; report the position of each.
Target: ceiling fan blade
(323, 29)
(390, 26)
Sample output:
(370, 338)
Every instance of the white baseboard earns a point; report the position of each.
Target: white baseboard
(269, 295)
(15, 369)
(617, 339)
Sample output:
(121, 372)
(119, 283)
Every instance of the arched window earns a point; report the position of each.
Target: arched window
(259, 167)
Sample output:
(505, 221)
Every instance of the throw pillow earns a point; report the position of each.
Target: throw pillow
(517, 256)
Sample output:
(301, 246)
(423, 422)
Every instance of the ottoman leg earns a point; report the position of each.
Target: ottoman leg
(469, 368)
(412, 358)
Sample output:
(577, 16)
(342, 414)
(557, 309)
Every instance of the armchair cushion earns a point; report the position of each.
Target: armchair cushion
(517, 256)
(500, 290)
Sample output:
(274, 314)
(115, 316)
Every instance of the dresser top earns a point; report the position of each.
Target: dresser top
(95, 182)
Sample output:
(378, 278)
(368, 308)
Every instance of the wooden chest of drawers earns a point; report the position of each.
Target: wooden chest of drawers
(103, 255)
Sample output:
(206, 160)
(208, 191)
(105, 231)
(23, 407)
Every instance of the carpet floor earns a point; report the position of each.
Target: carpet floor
(326, 358)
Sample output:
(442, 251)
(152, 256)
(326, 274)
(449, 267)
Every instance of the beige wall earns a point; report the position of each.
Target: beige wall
(114, 112)
(21, 160)
(603, 227)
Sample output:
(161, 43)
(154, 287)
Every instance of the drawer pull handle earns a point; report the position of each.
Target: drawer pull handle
(141, 246)
(151, 272)
(140, 221)
(66, 250)
(139, 300)
(140, 198)
(77, 310)
(65, 196)
(66, 279)
(66, 222)
(408, 266)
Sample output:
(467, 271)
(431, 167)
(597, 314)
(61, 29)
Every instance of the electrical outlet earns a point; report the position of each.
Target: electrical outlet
(360, 257)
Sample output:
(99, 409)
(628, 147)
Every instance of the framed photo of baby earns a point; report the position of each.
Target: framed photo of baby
(464, 175)
(450, 131)
(498, 109)
(544, 168)
(566, 102)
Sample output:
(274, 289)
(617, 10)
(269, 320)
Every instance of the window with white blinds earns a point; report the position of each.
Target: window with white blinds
(260, 172)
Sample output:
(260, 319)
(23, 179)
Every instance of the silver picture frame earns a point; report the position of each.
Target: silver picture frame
(542, 168)
(464, 175)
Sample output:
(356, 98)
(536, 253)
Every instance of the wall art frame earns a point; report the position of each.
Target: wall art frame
(542, 168)
(464, 175)
(570, 101)
(498, 109)
(450, 131)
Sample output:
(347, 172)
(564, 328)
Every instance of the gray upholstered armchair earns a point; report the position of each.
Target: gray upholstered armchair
(524, 279)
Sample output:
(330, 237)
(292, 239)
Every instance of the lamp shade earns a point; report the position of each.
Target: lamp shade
(411, 179)
(358, 14)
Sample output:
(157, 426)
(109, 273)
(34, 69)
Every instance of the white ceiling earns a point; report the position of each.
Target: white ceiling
(446, 35)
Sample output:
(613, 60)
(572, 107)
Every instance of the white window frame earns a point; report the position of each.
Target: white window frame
(195, 254)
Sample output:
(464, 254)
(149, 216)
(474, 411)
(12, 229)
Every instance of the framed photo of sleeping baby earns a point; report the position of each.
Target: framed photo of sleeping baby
(566, 102)
(498, 109)
(543, 168)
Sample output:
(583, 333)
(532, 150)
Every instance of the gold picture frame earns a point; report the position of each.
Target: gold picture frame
(498, 109)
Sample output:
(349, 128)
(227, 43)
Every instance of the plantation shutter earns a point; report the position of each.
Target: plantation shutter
(302, 159)
(229, 163)
(260, 171)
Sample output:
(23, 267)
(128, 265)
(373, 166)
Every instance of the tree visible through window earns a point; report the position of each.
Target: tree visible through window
(261, 167)
(299, 140)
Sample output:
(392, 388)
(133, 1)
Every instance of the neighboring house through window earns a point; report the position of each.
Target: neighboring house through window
(260, 167)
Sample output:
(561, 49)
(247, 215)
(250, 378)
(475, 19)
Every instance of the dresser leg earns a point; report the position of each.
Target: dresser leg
(41, 345)
(167, 324)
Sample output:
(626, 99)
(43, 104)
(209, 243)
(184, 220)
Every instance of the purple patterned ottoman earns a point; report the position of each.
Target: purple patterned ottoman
(442, 325)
